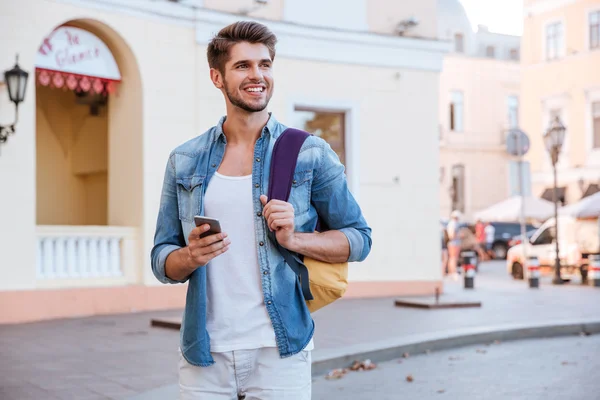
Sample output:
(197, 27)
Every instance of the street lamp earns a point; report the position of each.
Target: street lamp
(553, 139)
(16, 82)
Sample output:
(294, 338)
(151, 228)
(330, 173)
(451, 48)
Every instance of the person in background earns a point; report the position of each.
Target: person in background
(453, 243)
(490, 233)
(481, 239)
(445, 240)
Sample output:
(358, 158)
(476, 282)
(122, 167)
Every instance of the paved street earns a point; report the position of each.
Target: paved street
(541, 369)
(121, 356)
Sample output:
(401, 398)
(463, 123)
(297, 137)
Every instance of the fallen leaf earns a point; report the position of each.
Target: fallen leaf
(441, 390)
(336, 373)
(355, 366)
(369, 365)
(405, 355)
(481, 351)
(363, 365)
(409, 378)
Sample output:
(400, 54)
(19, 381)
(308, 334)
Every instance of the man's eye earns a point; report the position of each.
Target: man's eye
(242, 66)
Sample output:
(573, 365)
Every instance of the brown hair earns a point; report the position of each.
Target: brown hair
(242, 31)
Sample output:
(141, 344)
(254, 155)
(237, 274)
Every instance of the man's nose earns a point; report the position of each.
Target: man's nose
(255, 73)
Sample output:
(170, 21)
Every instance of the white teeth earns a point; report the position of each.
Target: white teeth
(255, 89)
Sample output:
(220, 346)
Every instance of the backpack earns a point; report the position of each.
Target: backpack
(322, 283)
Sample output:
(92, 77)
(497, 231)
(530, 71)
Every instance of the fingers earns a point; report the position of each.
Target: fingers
(208, 240)
(197, 231)
(199, 249)
(275, 206)
(202, 253)
(263, 199)
(282, 219)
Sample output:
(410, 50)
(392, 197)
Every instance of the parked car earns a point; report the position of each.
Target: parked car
(515, 240)
(577, 239)
(504, 232)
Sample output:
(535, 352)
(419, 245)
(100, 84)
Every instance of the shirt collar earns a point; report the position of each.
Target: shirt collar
(270, 127)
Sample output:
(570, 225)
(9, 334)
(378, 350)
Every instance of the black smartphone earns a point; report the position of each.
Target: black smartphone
(215, 225)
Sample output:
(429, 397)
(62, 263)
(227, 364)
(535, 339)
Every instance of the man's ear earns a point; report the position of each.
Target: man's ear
(216, 77)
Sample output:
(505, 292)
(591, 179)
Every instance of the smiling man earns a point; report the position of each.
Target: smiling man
(246, 330)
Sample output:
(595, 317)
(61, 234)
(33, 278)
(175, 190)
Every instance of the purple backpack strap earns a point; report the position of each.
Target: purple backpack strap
(283, 163)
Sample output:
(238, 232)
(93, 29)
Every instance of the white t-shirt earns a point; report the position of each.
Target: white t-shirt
(490, 231)
(237, 317)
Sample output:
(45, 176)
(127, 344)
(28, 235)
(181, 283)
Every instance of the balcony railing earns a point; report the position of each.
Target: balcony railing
(85, 255)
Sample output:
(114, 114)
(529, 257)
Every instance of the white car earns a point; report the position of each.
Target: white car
(577, 239)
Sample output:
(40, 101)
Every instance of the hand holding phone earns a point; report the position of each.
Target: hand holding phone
(206, 244)
(214, 225)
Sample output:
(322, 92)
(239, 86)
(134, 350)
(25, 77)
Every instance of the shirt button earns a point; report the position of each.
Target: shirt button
(256, 185)
(259, 214)
(269, 302)
(257, 159)
(265, 273)
(294, 182)
(214, 165)
(261, 244)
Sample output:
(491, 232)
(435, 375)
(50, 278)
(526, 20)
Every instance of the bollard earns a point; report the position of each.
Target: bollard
(533, 269)
(594, 270)
(468, 260)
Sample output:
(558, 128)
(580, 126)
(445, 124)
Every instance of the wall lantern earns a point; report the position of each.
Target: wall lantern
(16, 82)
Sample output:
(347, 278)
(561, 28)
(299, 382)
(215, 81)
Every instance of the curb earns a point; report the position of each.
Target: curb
(326, 360)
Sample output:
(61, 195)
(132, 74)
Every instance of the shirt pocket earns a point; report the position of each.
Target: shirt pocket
(300, 193)
(189, 197)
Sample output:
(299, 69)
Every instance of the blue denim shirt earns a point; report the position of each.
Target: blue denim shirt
(319, 187)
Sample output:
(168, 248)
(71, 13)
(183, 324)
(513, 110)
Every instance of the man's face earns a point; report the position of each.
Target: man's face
(247, 79)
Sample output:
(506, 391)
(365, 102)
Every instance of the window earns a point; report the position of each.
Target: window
(544, 237)
(459, 45)
(554, 40)
(325, 124)
(512, 103)
(456, 111)
(490, 52)
(514, 54)
(513, 176)
(595, 30)
(596, 123)
(457, 189)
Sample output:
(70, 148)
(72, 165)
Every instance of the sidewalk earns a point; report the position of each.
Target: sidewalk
(120, 357)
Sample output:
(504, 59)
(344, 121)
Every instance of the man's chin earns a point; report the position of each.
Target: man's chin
(253, 107)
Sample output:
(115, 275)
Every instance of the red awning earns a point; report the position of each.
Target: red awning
(75, 59)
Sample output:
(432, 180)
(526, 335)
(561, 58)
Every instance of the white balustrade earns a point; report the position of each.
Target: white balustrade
(66, 252)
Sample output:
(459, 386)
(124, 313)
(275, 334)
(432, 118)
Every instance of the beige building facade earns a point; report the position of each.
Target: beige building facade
(478, 103)
(560, 77)
(81, 178)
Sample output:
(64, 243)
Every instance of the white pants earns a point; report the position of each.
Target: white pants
(258, 374)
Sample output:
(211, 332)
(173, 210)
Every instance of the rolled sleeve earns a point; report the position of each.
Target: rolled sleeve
(161, 261)
(356, 242)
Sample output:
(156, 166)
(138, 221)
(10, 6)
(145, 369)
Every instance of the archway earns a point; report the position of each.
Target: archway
(89, 154)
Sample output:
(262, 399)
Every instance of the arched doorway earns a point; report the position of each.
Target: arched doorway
(76, 75)
(89, 157)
